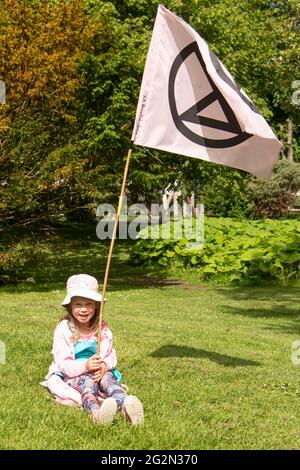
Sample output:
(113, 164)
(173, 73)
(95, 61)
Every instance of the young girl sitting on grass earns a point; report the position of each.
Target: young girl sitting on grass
(76, 363)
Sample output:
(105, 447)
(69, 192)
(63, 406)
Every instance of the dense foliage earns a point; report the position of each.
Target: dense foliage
(276, 196)
(73, 69)
(233, 250)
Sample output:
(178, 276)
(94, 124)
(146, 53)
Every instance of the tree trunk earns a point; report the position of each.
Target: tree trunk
(290, 155)
(282, 152)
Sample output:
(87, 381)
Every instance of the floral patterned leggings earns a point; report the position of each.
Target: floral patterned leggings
(89, 389)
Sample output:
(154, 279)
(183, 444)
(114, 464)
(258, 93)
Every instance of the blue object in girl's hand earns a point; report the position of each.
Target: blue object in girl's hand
(117, 375)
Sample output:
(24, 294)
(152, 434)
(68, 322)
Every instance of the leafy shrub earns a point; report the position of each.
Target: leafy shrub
(274, 197)
(233, 250)
(14, 257)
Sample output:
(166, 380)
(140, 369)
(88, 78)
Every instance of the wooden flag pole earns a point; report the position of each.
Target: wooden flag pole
(112, 246)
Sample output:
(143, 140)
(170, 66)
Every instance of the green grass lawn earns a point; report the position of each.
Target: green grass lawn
(212, 364)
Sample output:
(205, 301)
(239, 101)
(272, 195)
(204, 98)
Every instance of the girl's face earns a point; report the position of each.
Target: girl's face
(83, 309)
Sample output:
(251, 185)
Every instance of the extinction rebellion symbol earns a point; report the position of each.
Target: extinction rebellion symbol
(193, 114)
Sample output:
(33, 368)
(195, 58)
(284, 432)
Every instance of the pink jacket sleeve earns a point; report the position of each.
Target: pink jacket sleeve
(107, 352)
(64, 357)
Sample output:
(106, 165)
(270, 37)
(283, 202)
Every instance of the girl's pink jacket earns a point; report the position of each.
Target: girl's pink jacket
(64, 362)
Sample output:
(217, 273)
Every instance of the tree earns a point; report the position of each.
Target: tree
(41, 45)
(274, 198)
(73, 70)
(112, 76)
(258, 43)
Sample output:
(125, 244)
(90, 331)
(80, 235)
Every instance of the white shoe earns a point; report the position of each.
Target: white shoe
(133, 410)
(107, 411)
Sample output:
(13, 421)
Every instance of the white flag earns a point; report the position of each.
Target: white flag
(189, 104)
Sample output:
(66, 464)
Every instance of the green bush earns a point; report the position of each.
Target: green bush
(14, 256)
(273, 197)
(233, 250)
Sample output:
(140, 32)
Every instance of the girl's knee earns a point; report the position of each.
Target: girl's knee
(88, 385)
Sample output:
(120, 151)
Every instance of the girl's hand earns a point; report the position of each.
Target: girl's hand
(98, 374)
(93, 363)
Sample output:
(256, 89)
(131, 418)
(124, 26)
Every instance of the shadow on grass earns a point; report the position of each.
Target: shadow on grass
(173, 350)
(291, 328)
(292, 317)
(271, 311)
(274, 293)
(72, 250)
(270, 304)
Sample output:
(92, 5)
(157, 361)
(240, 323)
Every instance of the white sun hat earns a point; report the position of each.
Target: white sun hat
(82, 285)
